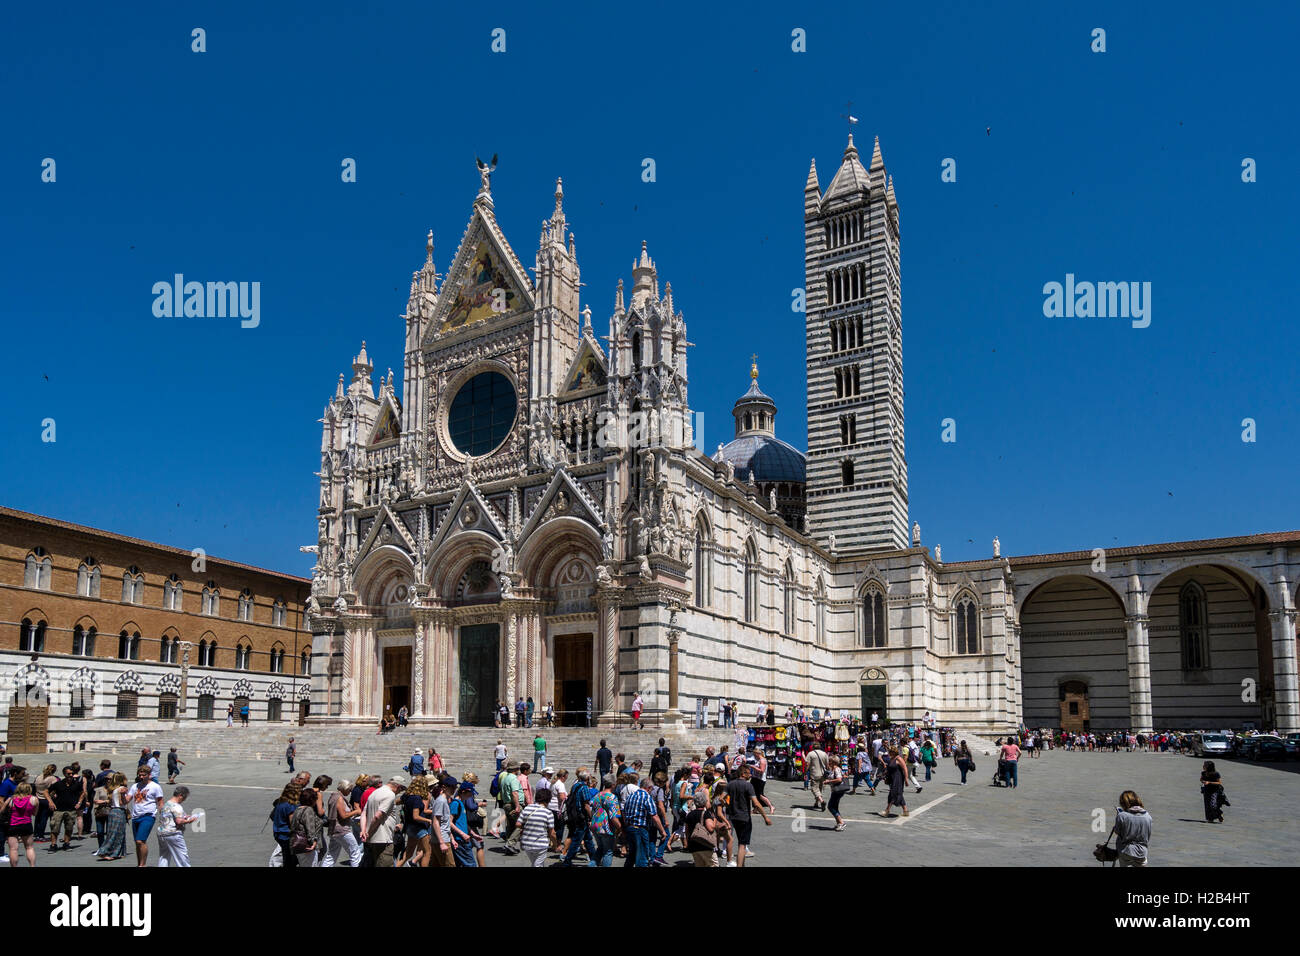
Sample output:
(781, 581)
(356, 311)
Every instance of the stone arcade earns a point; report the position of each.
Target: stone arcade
(491, 535)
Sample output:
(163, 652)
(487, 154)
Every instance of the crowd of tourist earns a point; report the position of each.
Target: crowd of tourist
(81, 804)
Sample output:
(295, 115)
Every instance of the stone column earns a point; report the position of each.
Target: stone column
(348, 698)
(512, 660)
(607, 609)
(1139, 674)
(1285, 694)
(673, 716)
(185, 678)
(418, 668)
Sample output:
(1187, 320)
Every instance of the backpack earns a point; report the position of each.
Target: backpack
(495, 787)
(575, 808)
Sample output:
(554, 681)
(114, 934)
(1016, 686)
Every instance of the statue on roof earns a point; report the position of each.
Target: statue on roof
(485, 173)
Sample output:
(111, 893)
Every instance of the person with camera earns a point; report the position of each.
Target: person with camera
(1132, 832)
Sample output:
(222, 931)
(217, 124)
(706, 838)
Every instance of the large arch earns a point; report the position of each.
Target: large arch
(455, 555)
(1072, 628)
(551, 544)
(1211, 647)
(378, 572)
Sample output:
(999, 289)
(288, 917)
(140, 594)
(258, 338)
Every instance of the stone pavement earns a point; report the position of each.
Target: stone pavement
(1047, 821)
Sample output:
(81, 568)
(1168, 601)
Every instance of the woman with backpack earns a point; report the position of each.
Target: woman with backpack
(305, 825)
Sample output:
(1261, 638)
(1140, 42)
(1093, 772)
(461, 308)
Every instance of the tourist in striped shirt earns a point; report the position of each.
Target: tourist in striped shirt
(537, 828)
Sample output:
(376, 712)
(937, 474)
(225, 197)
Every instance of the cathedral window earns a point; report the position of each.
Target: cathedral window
(703, 568)
(168, 653)
(967, 624)
(846, 473)
(1193, 634)
(279, 613)
(277, 659)
(246, 605)
(789, 599)
(874, 630)
(481, 415)
(304, 663)
(751, 582)
(821, 611)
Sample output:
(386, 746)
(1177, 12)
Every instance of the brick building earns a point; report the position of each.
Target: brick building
(112, 633)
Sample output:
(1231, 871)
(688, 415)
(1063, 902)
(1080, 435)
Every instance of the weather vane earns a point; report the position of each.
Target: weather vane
(849, 116)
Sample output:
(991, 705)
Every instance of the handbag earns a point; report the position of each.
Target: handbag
(1105, 853)
(702, 834)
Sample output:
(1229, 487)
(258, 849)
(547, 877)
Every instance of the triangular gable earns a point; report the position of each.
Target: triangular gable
(377, 538)
(483, 264)
(588, 369)
(563, 496)
(469, 511)
(388, 426)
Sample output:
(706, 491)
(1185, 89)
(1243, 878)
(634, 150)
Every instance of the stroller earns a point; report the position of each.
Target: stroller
(1000, 775)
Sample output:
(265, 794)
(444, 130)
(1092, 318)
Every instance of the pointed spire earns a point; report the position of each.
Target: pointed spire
(877, 161)
(851, 150)
(812, 186)
(668, 297)
(889, 192)
(559, 199)
(338, 392)
(618, 297)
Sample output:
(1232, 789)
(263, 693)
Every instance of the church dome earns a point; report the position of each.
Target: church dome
(756, 453)
(764, 458)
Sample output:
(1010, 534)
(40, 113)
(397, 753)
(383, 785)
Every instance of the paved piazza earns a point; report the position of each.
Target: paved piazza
(1044, 822)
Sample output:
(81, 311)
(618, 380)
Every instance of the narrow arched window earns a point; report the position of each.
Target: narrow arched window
(1193, 631)
(751, 582)
(703, 568)
(821, 611)
(967, 624)
(874, 625)
(789, 599)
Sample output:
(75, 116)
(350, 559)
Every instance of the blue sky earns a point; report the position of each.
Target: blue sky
(225, 165)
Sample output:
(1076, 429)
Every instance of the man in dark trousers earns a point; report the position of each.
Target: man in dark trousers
(290, 752)
(604, 759)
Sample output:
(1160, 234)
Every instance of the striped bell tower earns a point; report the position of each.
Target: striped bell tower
(857, 466)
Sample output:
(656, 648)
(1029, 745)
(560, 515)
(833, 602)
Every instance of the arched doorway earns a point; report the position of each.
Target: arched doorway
(874, 685)
(1073, 696)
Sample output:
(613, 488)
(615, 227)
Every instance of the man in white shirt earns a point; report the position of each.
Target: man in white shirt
(378, 823)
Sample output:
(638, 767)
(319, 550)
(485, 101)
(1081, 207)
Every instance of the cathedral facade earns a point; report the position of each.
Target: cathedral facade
(531, 517)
